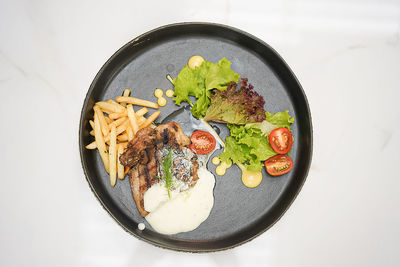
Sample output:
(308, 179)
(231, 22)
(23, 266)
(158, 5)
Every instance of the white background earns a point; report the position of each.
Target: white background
(346, 55)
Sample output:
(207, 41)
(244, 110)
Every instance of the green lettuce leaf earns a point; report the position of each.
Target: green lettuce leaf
(273, 121)
(199, 81)
(218, 76)
(248, 146)
(200, 107)
(185, 85)
(234, 151)
(280, 119)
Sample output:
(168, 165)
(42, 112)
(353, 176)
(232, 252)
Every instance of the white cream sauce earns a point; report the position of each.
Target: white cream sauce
(141, 226)
(184, 211)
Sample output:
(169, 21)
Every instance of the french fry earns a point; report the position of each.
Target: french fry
(118, 115)
(91, 124)
(141, 112)
(108, 120)
(150, 119)
(123, 137)
(137, 101)
(110, 107)
(112, 153)
(130, 133)
(91, 132)
(117, 122)
(140, 121)
(102, 120)
(132, 118)
(126, 92)
(120, 129)
(92, 145)
(126, 170)
(123, 144)
(117, 105)
(120, 167)
(100, 143)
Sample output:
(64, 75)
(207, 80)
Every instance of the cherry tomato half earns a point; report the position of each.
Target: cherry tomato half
(278, 165)
(202, 142)
(281, 140)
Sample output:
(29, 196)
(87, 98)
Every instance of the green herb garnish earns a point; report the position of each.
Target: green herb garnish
(166, 165)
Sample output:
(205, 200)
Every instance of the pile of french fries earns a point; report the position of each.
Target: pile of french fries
(114, 124)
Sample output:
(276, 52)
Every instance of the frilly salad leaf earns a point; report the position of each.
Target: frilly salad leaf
(236, 106)
(273, 121)
(248, 144)
(199, 81)
(280, 119)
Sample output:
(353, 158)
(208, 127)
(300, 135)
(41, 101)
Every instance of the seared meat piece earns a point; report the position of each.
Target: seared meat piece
(171, 134)
(145, 153)
(142, 177)
(168, 134)
(136, 148)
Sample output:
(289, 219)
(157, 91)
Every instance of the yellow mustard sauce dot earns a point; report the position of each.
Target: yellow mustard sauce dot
(220, 170)
(169, 93)
(158, 92)
(161, 101)
(215, 160)
(227, 164)
(195, 61)
(249, 178)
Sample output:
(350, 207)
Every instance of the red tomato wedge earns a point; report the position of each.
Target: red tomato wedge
(202, 142)
(278, 165)
(281, 140)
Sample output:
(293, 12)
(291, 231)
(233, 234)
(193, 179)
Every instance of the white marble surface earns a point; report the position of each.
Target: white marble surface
(346, 54)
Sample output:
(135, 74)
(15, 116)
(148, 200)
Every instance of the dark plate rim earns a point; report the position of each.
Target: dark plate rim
(138, 40)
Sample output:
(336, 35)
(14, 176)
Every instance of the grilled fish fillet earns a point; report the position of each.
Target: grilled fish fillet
(142, 155)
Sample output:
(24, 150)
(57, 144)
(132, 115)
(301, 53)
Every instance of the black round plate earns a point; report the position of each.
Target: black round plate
(239, 213)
